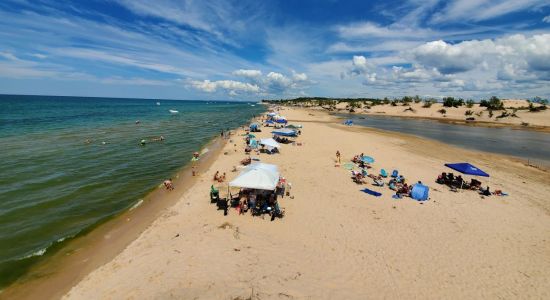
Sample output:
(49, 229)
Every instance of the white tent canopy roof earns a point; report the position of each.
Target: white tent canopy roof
(270, 142)
(258, 176)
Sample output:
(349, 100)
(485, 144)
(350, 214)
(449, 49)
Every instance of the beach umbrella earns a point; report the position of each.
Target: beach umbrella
(258, 176)
(367, 159)
(250, 135)
(284, 132)
(270, 142)
(467, 168)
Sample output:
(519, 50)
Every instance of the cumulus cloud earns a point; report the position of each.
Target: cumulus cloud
(504, 64)
(273, 83)
(518, 52)
(247, 73)
(228, 85)
(448, 58)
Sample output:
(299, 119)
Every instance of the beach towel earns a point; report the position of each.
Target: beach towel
(349, 165)
(371, 192)
(397, 196)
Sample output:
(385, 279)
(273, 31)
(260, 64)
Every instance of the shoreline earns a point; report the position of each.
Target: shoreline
(537, 121)
(490, 124)
(338, 118)
(72, 261)
(157, 264)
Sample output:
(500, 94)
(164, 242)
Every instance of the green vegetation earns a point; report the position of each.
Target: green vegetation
(469, 112)
(470, 103)
(452, 102)
(493, 104)
(428, 103)
(442, 111)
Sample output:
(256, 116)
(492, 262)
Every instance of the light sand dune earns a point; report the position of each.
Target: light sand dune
(336, 242)
(481, 115)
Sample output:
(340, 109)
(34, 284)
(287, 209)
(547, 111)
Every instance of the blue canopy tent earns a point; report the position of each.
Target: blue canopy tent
(468, 169)
(420, 192)
(284, 132)
(284, 121)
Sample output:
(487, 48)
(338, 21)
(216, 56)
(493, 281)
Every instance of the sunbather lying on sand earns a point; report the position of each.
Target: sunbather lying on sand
(246, 161)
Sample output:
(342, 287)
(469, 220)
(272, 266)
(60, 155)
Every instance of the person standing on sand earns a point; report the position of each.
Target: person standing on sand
(338, 155)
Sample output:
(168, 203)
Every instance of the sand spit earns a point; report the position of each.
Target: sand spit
(336, 242)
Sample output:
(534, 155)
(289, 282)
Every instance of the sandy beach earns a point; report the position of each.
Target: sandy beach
(337, 242)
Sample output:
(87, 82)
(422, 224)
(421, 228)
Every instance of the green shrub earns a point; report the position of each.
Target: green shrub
(493, 104)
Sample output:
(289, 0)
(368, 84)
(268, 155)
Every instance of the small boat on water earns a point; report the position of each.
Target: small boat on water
(173, 111)
(158, 103)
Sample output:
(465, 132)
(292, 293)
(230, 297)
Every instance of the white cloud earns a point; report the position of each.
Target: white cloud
(299, 76)
(273, 83)
(479, 10)
(248, 73)
(370, 30)
(135, 81)
(384, 45)
(228, 85)
(546, 19)
(531, 54)
(449, 58)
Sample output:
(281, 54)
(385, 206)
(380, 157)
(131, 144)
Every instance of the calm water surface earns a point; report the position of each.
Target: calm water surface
(54, 186)
(529, 145)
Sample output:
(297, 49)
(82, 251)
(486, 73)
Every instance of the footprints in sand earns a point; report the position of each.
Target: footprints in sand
(227, 225)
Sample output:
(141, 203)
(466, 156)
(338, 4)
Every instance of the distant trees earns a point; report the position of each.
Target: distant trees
(442, 111)
(452, 102)
(494, 103)
(470, 103)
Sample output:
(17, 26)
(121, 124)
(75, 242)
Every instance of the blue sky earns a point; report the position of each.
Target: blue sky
(249, 50)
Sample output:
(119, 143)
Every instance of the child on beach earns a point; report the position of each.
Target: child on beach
(168, 184)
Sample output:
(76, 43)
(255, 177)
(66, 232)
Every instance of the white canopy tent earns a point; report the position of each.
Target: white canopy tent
(270, 142)
(257, 176)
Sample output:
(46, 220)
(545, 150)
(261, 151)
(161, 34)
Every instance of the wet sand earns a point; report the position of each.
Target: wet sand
(337, 242)
(54, 276)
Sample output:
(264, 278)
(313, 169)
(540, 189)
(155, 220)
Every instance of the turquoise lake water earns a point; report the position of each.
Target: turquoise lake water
(54, 185)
